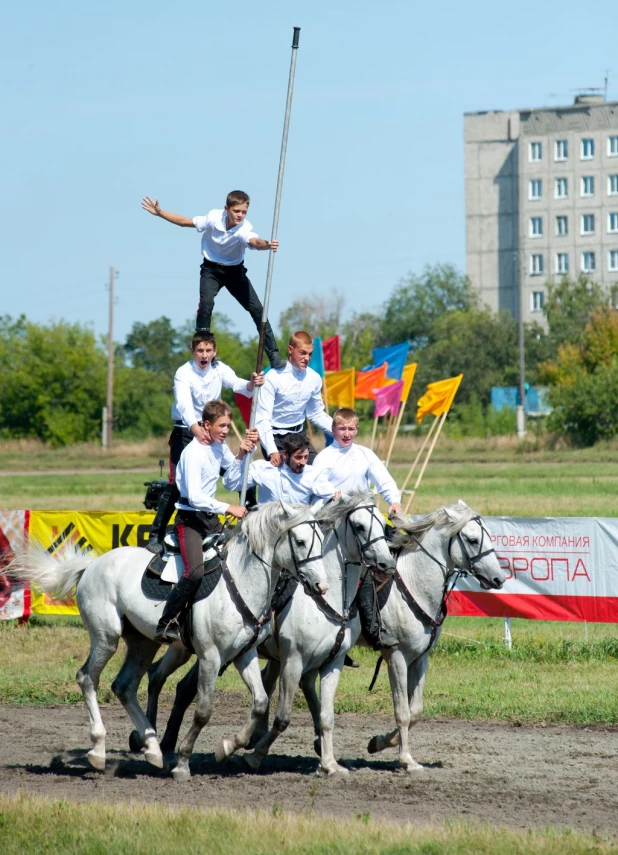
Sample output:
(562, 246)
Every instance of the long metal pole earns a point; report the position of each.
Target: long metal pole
(110, 361)
(271, 255)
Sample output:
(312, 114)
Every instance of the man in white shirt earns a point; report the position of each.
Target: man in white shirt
(198, 508)
(226, 234)
(197, 382)
(288, 396)
(293, 481)
(351, 467)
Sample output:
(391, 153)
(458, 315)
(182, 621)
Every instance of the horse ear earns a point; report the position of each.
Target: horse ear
(286, 509)
(461, 504)
(449, 514)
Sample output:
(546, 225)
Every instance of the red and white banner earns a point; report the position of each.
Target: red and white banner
(557, 569)
(14, 602)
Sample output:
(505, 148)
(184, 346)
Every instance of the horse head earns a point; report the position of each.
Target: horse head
(299, 548)
(471, 548)
(362, 528)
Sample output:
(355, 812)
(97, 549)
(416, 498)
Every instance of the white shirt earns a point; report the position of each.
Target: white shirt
(352, 468)
(197, 474)
(280, 483)
(287, 396)
(220, 244)
(194, 387)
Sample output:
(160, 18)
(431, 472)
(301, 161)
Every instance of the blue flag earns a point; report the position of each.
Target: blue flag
(317, 357)
(395, 355)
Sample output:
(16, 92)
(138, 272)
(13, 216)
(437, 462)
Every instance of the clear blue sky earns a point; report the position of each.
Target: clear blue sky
(104, 103)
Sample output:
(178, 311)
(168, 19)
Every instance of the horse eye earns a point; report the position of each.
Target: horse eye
(300, 543)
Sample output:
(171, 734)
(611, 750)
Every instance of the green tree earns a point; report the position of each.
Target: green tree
(317, 315)
(156, 346)
(569, 307)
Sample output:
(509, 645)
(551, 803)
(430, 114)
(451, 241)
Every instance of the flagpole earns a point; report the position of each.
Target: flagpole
(424, 466)
(402, 407)
(373, 432)
(417, 458)
(271, 255)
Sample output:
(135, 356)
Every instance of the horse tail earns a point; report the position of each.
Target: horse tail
(53, 575)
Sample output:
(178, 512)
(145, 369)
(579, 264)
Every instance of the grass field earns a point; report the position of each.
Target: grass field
(552, 675)
(496, 477)
(34, 825)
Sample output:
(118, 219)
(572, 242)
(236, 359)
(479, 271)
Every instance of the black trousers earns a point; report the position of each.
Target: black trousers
(279, 437)
(191, 528)
(214, 277)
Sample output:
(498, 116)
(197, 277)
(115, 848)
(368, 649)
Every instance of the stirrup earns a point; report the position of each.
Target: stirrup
(169, 633)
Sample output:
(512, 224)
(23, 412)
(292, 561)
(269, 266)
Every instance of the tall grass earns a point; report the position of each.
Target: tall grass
(35, 825)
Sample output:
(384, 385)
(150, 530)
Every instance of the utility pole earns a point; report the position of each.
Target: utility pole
(521, 409)
(110, 363)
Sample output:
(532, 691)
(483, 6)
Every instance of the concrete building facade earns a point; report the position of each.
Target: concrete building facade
(541, 200)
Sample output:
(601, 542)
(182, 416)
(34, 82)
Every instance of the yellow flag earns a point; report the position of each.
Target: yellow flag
(438, 398)
(340, 388)
(408, 376)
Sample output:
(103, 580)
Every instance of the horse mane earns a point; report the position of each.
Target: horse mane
(262, 526)
(410, 533)
(330, 514)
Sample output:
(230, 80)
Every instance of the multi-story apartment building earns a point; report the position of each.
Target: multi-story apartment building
(541, 200)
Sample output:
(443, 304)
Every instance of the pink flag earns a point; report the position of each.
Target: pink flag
(388, 399)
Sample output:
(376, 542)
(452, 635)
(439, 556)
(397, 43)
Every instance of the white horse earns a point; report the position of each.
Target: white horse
(433, 550)
(311, 635)
(226, 626)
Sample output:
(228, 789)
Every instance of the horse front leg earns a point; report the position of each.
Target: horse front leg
(208, 671)
(248, 666)
(186, 691)
(329, 680)
(270, 675)
(291, 671)
(398, 677)
(307, 684)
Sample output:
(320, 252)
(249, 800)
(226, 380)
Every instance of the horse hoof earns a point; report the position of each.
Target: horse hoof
(155, 758)
(252, 760)
(180, 774)
(317, 746)
(224, 750)
(97, 761)
(337, 771)
(374, 745)
(136, 743)
(170, 761)
(413, 768)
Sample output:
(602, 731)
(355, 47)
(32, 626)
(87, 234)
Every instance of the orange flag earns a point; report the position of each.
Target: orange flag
(367, 382)
(438, 398)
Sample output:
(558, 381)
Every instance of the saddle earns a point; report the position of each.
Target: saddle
(164, 571)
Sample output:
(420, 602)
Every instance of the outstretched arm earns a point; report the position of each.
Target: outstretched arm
(155, 209)
(261, 243)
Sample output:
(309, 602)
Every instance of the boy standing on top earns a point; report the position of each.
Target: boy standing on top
(294, 481)
(226, 234)
(351, 467)
(290, 394)
(197, 382)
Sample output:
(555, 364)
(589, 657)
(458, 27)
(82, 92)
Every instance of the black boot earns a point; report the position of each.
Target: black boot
(165, 509)
(168, 628)
(276, 360)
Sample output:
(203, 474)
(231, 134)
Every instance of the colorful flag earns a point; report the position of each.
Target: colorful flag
(368, 381)
(244, 405)
(317, 357)
(388, 399)
(331, 353)
(408, 377)
(438, 398)
(340, 388)
(395, 355)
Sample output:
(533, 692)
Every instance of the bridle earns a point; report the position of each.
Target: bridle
(363, 546)
(301, 562)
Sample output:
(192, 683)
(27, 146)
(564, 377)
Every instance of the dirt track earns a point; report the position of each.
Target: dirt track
(516, 776)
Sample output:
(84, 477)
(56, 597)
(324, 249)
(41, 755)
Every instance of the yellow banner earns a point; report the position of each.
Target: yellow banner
(340, 388)
(97, 530)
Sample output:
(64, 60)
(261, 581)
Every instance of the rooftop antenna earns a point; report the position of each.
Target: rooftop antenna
(606, 81)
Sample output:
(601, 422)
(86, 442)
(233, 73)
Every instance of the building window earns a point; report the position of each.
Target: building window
(535, 152)
(562, 262)
(537, 301)
(536, 226)
(562, 188)
(561, 150)
(612, 146)
(535, 188)
(536, 264)
(587, 224)
(589, 262)
(562, 226)
(612, 222)
(587, 186)
(612, 185)
(587, 149)
(613, 260)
